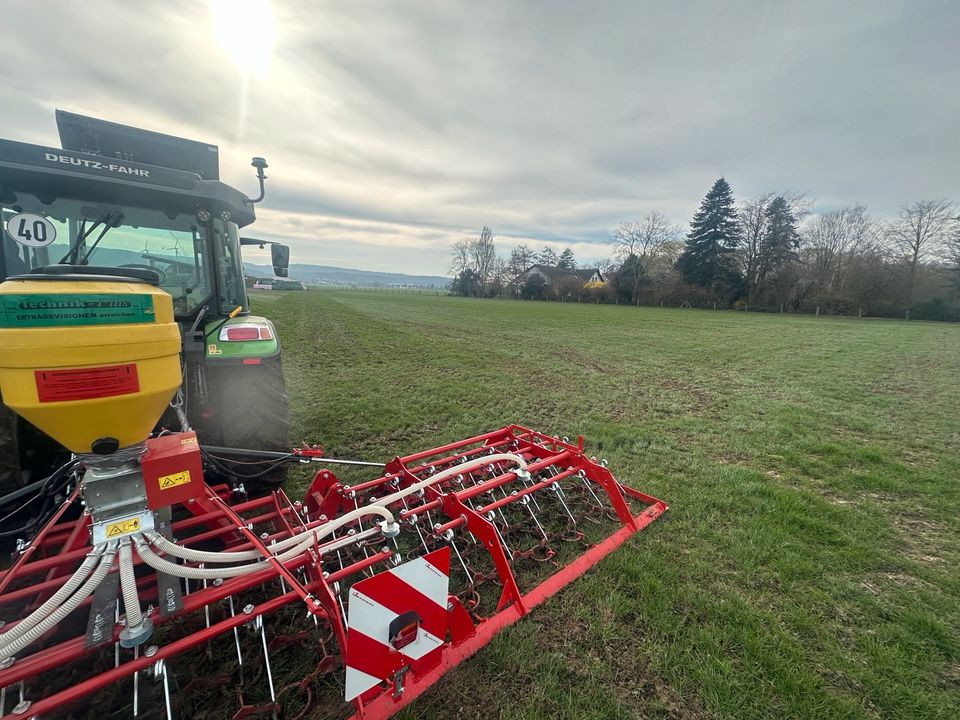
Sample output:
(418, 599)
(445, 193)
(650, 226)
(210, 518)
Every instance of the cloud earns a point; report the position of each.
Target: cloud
(393, 128)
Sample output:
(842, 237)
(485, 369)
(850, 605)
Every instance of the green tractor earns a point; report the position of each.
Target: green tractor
(120, 201)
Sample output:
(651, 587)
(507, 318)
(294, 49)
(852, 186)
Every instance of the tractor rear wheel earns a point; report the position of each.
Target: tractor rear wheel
(9, 456)
(252, 412)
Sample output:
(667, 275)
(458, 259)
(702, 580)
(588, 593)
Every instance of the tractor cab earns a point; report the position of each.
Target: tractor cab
(96, 203)
(119, 202)
(194, 254)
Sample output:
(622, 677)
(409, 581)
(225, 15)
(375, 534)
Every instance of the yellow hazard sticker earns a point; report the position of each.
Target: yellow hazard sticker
(214, 350)
(189, 441)
(171, 481)
(123, 527)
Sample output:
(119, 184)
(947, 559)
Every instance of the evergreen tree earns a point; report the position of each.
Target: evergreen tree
(780, 241)
(467, 283)
(628, 278)
(534, 288)
(707, 258)
(567, 261)
(548, 256)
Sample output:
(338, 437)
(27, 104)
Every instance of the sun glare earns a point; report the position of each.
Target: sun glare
(244, 31)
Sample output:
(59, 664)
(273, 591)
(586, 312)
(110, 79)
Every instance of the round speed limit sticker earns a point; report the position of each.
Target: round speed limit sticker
(31, 230)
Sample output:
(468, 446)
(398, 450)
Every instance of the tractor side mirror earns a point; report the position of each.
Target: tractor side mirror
(280, 255)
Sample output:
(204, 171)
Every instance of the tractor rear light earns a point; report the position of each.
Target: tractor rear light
(239, 333)
(403, 629)
(242, 333)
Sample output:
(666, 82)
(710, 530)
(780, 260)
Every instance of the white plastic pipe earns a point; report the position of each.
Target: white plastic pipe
(302, 538)
(54, 601)
(106, 562)
(128, 585)
(451, 472)
(195, 573)
(291, 547)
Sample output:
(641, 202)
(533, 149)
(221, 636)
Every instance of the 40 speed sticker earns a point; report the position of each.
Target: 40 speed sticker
(31, 230)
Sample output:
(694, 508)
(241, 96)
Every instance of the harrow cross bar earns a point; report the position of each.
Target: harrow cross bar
(353, 601)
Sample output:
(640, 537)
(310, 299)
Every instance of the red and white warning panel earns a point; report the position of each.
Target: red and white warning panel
(397, 618)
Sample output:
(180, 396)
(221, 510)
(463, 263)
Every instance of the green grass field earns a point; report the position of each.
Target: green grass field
(808, 566)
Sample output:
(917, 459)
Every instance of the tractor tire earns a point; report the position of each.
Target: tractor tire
(253, 412)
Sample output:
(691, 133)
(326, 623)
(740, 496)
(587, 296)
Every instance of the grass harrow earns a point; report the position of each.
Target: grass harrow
(348, 603)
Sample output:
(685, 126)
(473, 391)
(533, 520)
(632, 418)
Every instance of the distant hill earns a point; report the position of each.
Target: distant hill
(314, 274)
(328, 275)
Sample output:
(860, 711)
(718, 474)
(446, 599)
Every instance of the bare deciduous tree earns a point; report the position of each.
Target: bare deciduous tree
(920, 230)
(500, 276)
(483, 254)
(478, 255)
(521, 258)
(459, 257)
(831, 245)
(953, 251)
(645, 240)
(753, 225)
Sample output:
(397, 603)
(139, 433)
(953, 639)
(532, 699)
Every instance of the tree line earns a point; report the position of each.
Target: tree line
(767, 253)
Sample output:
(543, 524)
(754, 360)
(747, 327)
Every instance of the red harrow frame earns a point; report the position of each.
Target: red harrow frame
(482, 531)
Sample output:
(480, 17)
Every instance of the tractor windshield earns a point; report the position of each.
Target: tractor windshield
(76, 232)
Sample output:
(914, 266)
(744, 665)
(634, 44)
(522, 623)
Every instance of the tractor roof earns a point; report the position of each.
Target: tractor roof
(117, 171)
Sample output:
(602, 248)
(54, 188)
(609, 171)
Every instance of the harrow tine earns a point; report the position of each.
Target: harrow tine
(559, 493)
(236, 637)
(283, 585)
(116, 645)
(583, 476)
(466, 572)
(492, 518)
(343, 610)
(459, 481)
(334, 536)
(414, 521)
(356, 506)
(23, 705)
(525, 501)
(160, 671)
(206, 608)
(136, 684)
(262, 627)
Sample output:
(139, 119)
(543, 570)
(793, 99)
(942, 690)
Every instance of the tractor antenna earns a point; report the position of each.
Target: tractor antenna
(259, 163)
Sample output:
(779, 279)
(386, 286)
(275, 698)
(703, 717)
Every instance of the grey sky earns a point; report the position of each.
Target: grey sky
(395, 128)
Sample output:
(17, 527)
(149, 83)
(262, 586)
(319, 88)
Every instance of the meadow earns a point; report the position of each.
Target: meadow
(808, 566)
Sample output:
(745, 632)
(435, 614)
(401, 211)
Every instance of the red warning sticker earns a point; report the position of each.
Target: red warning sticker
(86, 383)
